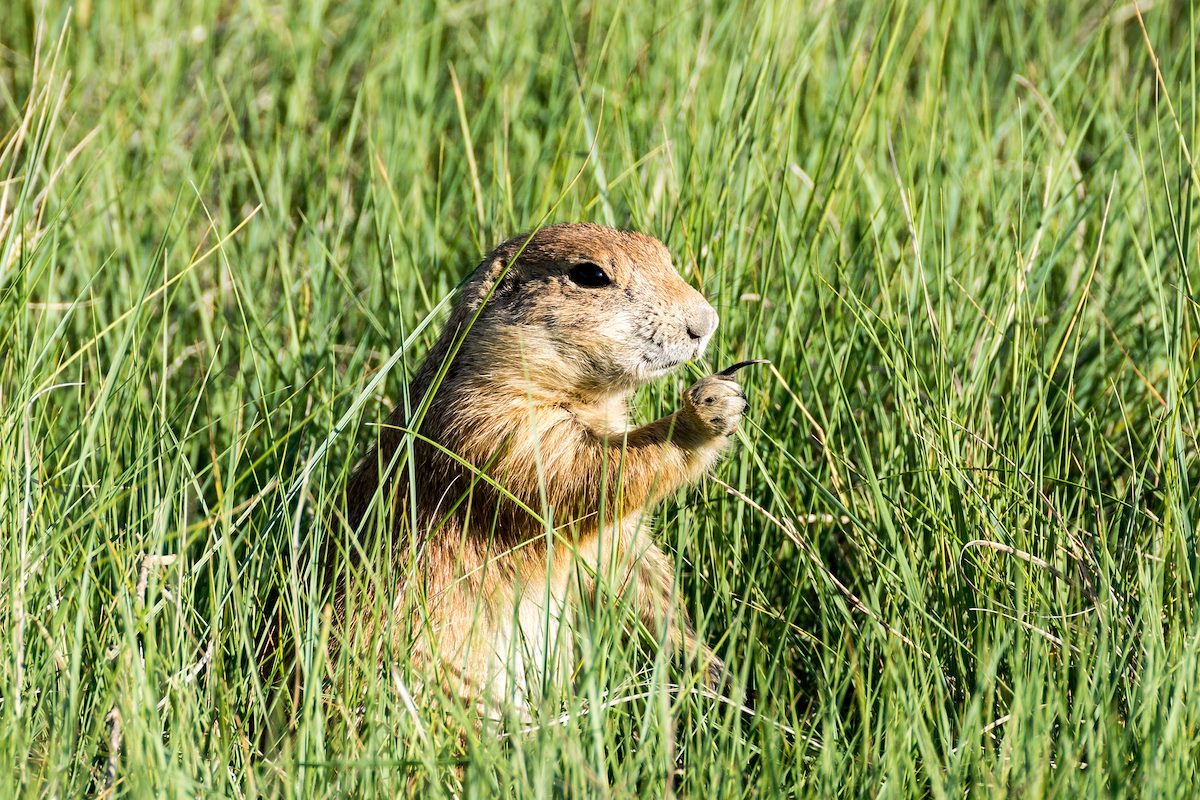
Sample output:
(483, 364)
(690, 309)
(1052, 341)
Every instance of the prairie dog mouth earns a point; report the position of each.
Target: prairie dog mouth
(668, 358)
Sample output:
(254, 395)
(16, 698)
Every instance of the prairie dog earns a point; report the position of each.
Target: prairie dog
(527, 490)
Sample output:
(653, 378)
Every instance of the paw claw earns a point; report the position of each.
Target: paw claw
(723, 401)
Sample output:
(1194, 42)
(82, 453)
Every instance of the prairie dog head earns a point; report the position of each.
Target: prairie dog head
(582, 308)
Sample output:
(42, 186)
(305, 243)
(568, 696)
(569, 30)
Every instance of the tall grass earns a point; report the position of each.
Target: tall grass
(954, 551)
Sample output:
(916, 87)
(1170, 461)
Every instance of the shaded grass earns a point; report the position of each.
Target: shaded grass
(962, 235)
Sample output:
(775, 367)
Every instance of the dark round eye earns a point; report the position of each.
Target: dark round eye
(589, 275)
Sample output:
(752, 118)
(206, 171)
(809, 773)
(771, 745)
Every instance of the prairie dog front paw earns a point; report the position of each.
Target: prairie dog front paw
(713, 406)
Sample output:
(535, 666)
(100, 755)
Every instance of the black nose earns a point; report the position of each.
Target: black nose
(702, 322)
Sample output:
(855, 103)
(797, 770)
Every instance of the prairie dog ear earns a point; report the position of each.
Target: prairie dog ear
(475, 291)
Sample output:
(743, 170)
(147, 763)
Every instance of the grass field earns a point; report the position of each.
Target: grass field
(954, 551)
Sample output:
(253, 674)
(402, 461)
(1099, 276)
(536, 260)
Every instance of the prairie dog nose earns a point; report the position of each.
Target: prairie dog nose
(701, 321)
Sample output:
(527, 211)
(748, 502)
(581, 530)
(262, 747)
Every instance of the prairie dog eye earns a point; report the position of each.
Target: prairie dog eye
(589, 275)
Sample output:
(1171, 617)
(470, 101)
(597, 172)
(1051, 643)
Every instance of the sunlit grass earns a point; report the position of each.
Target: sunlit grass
(953, 552)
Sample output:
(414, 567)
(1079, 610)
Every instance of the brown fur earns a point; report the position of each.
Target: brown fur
(528, 385)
